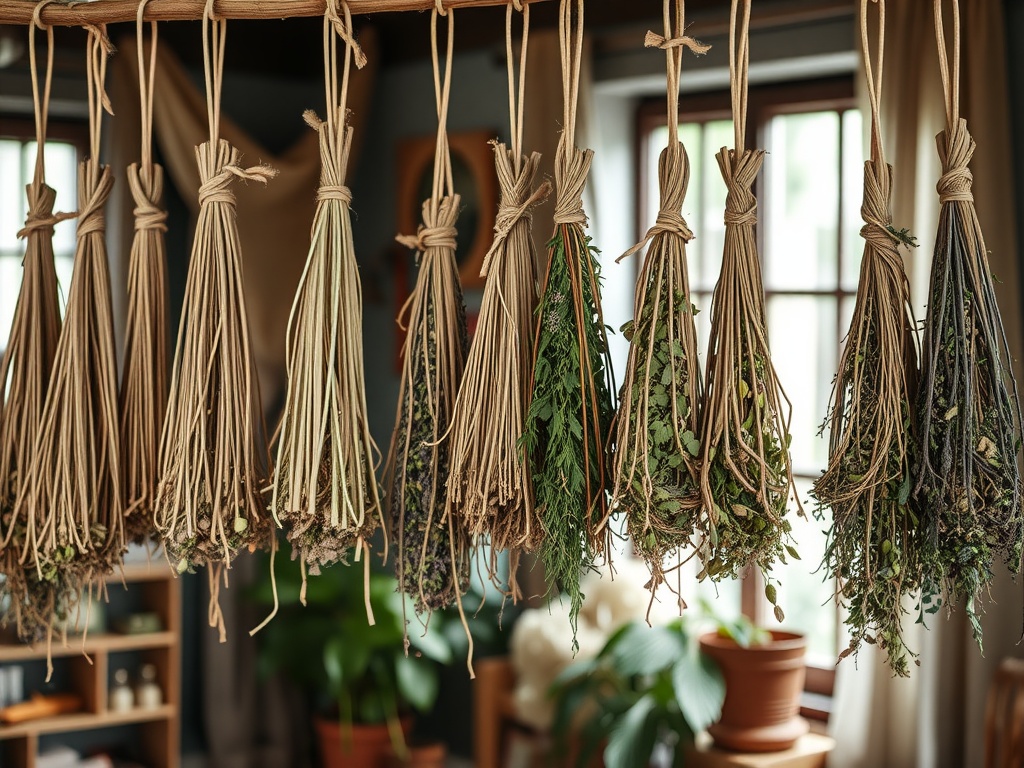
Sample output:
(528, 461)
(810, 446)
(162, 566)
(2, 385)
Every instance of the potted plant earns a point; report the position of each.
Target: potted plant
(649, 689)
(360, 678)
(764, 676)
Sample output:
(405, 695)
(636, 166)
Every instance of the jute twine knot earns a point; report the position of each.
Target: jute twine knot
(739, 170)
(955, 151)
(517, 201)
(673, 179)
(217, 188)
(334, 192)
(40, 210)
(654, 40)
(437, 230)
(875, 210)
(571, 169)
(345, 32)
(90, 216)
(148, 213)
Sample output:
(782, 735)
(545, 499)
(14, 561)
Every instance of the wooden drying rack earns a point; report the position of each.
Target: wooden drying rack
(111, 11)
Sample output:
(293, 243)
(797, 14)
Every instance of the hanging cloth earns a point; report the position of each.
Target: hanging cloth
(968, 477)
(490, 488)
(569, 421)
(656, 476)
(213, 456)
(873, 540)
(26, 367)
(144, 379)
(746, 475)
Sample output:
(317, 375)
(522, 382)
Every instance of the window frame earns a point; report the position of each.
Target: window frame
(763, 103)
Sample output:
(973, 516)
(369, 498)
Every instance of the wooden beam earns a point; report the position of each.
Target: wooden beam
(112, 11)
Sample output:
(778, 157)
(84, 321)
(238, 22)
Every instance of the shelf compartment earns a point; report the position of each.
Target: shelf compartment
(86, 721)
(13, 652)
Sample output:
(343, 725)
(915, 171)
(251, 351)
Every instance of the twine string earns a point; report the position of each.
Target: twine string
(955, 144)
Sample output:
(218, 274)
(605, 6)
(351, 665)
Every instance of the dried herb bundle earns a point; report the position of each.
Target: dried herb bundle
(490, 482)
(433, 558)
(570, 418)
(746, 477)
(144, 379)
(325, 491)
(74, 529)
(970, 424)
(873, 546)
(656, 480)
(24, 375)
(213, 460)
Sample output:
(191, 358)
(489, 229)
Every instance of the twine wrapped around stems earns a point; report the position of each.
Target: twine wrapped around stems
(144, 380)
(25, 373)
(213, 457)
(432, 563)
(325, 492)
(746, 476)
(569, 423)
(873, 547)
(490, 484)
(656, 477)
(968, 477)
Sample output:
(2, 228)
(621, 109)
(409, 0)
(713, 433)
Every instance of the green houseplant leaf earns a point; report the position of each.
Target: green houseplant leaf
(632, 739)
(699, 688)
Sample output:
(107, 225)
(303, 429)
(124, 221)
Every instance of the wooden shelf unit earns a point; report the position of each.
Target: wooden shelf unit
(160, 592)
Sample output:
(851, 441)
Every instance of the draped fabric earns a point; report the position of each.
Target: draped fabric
(935, 718)
(248, 724)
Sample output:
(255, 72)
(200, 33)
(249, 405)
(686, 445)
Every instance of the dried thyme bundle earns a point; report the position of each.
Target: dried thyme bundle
(746, 477)
(873, 547)
(968, 477)
(325, 491)
(24, 375)
(433, 559)
(570, 418)
(144, 380)
(490, 482)
(213, 461)
(75, 532)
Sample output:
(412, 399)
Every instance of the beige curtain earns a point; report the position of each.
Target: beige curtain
(248, 725)
(935, 719)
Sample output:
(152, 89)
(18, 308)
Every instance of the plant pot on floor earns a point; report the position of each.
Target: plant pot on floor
(369, 747)
(763, 684)
(432, 755)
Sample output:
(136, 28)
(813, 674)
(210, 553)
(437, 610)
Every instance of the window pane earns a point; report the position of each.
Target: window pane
(805, 592)
(853, 192)
(711, 231)
(803, 334)
(802, 201)
(10, 283)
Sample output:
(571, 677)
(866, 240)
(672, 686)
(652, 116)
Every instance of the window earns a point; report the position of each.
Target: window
(17, 163)
(809, 195)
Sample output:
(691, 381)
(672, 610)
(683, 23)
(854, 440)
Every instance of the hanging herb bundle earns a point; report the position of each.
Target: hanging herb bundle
(213, 460)
(746, 477)
(968, 478)
(873, 547)
(655, 460)
(144, 380)
(24, 375)
(325, 492)
(433, 559)
(75, 532)
(570, 418)
(490, 482)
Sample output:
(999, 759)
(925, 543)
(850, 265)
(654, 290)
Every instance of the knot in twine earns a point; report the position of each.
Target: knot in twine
(148, 214)
(517, 202)
(673, 179)
(956, 148)
(334, 192)
(90, 216)
(739, 170)
(571, 169)
(217, 188)
(878, 231)
(344, 31)
(40, 210)
(654, 40)
(436, 231)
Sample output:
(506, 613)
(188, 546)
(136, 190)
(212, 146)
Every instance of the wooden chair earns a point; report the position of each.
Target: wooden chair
(1004, 717)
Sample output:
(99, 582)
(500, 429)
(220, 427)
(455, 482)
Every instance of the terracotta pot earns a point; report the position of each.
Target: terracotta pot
(369, 747)
(762, 692)
(420, 756)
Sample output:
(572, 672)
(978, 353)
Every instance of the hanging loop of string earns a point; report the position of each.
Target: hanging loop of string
(739, 68)
(144, 178)
(956, 146)
(873, 74)
(94, 188)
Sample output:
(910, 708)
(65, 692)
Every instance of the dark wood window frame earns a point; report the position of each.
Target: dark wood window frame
(764, 102)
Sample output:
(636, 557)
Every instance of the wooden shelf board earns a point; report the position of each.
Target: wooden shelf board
(86, 721)
(10, 652)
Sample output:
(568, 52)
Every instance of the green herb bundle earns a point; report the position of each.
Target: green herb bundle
(490, 481)
(325, 492)
(213, 457)
(656, 478)
(433, 558)
(873, 547)
(746, 476)
(970, 420)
